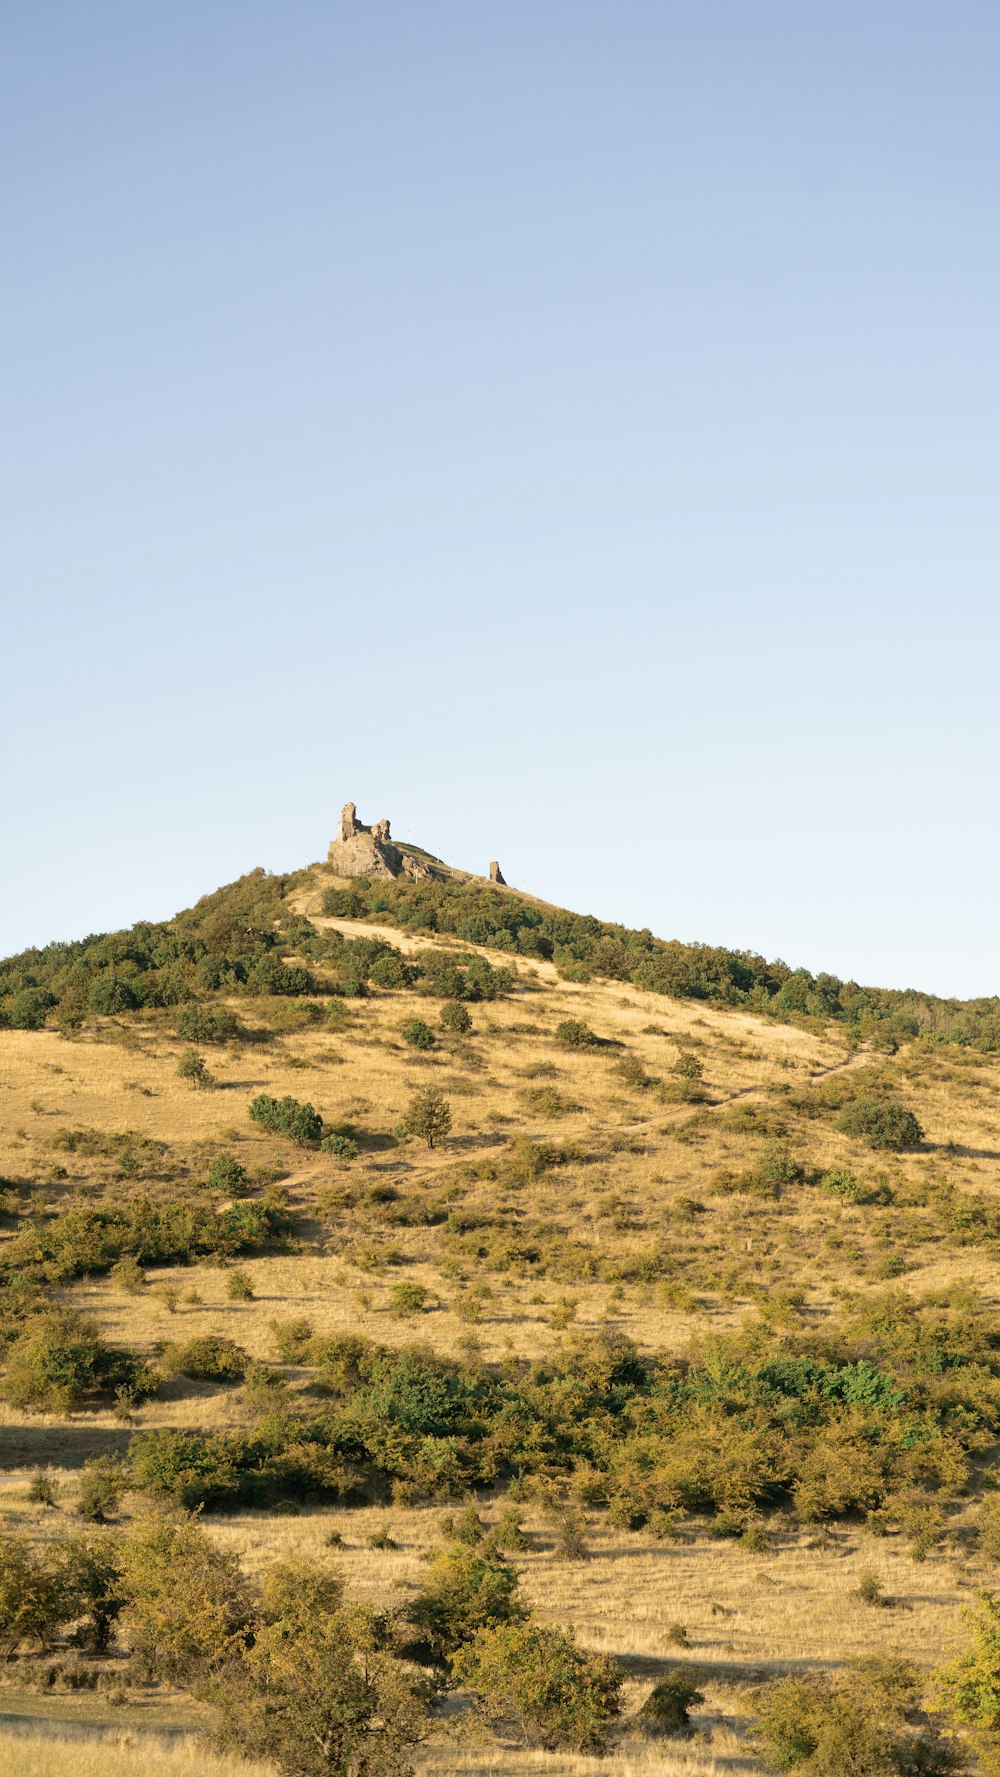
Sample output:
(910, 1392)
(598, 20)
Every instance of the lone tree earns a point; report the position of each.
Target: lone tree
(193, 1067)
(428, 1115)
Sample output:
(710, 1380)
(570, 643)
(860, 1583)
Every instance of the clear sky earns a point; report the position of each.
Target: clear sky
(568, 427)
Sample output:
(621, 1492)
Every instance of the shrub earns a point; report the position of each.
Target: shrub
(537, 1680)
(408, 1298)
(129, 1275)
(390, 970)
(668, 1706)
(455, 1018)
(864, 1723)
(301, 1123)
(208, 1024)
(194, 1067)
(239, 1286)
(466, 1590)
(292, 1339)
(102, 1484)
(839, 1181)
(428, 1115)
(881, 1124)
(60, 1362)
(207, 1358)
(342, 1147)
(418, 1034)
(573, 1034)
(970, 1685)
(687, 1066)
(227, 1175)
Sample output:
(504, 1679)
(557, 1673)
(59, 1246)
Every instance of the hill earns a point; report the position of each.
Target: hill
(679, 1314)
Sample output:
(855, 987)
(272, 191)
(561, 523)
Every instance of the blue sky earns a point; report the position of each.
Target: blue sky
(567, 428)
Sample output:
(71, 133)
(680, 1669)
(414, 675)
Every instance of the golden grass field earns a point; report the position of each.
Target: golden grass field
(746, 1616)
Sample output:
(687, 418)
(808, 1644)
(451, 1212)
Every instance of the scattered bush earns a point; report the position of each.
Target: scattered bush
(239, 1286)
(342, 1147)
(466, 1590)
(455, 1018)
(536, 1680)
(573, 1034)
(418, 1034)
(668, 1706)
(207, 1358)
(408, 1298)
(881, 1124)
(301, 1123)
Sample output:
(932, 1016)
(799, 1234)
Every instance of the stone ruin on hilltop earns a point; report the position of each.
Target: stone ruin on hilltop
(369, 851)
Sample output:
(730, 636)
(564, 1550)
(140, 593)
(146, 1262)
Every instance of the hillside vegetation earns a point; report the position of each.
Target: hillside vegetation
(442, 1331)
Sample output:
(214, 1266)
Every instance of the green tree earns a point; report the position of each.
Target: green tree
(315, 1692)
(467, 1589)
(537, 1680)
(187, 1607)
(418, 1034)
(194, 1067)
(428, 1115)
(970, 1685)
(33, 1595)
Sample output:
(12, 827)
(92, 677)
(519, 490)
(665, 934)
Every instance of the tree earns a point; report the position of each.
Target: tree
(187, 1607)
(316, 1693)
(33, 1595)
(428, 1115)
(537, 1680)
(467, 1589)
(193, 1067)
(970, 1686)
(418, 1034)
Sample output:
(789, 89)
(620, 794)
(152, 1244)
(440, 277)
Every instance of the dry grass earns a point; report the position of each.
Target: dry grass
(641, 1161)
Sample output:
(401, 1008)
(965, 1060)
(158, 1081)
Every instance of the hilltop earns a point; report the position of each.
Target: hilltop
(683, 1314)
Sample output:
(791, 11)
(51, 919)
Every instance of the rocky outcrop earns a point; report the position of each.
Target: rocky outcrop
(369, 851)
(496, 874)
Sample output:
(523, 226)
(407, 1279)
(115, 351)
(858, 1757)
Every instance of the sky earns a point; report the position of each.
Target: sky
(568, 428)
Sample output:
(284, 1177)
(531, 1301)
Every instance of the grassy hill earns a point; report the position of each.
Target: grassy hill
(695, 1303)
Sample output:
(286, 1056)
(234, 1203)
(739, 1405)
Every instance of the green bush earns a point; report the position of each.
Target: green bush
(538, 1681)
(33, 1595)
(668, 1706)
(315, 1693)
(418, 1034)
(881, 1124)
(342, 1147)
(188, 1612)
(60, 1362)
(301, 1123)
(207, 1358)
(227, 1175)
(408, 1298)
(865, 1722)
(239, 1286)
(466, 1590)
(455, 1018)
(208, 1024)
(573, 1034)
(194, 1067)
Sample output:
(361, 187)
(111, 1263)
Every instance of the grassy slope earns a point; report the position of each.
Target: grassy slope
(746, 1615)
